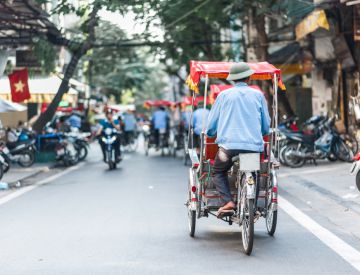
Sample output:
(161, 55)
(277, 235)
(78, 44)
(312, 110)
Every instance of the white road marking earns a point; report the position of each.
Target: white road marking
(344, 250)
(350, 196)
(313, 171)
(29, 188)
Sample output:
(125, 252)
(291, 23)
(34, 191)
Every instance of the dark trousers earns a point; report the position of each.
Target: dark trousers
(128, 136)
(223, 163)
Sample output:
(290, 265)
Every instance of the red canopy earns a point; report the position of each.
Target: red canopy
(157, 103)
(216, 89)
(188, 100)
(198, 69)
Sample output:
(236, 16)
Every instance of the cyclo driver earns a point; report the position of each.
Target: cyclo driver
(159, 122)
(239, 118)
(111, 123)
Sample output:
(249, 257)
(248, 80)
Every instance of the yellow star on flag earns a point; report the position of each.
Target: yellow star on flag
(19, 87)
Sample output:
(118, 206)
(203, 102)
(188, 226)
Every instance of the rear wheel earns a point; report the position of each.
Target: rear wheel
(342, 151)
(191, 215)
(290, 157)
(26, 159)
(192, 222)
(82, 151)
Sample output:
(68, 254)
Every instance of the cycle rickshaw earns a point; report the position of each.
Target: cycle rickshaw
(150, 133)
(188, 101)
(252, 179)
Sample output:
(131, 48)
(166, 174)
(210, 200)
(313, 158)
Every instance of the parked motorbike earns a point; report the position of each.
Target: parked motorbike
(355, 170)
(2, 166)
(81, 143)
(66, 151)
(21, 152)
(289, 126)
(109, 137)
(325, 143)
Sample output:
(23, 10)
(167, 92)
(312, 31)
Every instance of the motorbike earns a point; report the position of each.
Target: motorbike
(66, 151)
(289, 126)
(21, 152)
(109, 137)
(80, 141)
(355, 170)
(325, 143)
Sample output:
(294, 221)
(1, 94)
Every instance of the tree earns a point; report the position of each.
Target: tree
(116, 70)
(78, 46)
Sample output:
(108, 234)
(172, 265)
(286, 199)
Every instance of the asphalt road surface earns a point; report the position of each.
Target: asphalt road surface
(133, 220)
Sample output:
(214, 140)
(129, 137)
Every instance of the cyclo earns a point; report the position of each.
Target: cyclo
(150, 139)
(186, 102)
(252, 179)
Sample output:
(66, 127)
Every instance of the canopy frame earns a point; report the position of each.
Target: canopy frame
(263, 71)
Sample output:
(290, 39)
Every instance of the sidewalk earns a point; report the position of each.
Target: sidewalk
(18, 174)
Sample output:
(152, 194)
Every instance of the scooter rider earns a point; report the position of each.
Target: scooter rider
(109, 122)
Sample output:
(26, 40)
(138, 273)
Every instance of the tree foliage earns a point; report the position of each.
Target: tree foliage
(197, 29)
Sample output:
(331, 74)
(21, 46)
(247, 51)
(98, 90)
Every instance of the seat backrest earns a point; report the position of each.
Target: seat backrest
(211, 148)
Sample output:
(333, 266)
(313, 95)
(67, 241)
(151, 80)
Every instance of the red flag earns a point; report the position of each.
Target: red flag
(19, 85)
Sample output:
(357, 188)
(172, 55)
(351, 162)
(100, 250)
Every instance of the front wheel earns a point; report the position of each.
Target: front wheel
(27, 158)
(146, 146)
(342, 151)
(358, 180)
(247, 231)
(82, 151)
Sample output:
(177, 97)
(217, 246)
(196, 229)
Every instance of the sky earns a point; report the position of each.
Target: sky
(129, 24)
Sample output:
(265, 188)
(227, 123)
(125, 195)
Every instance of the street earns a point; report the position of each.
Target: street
(133, 221)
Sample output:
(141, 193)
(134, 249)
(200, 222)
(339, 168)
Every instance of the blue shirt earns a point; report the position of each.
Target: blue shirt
(239, 118)
(185, 118)
(74, 121)
(160, 119)
(130, 122)
(198, 119)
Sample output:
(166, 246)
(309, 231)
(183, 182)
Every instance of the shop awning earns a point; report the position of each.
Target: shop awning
(292, 59)
(8, 106)
(316, 19)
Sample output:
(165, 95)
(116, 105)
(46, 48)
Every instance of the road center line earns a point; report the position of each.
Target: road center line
(29, 188)
(344, 250)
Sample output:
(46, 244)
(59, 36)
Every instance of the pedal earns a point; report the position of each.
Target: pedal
(225, 213)
(257, 216)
